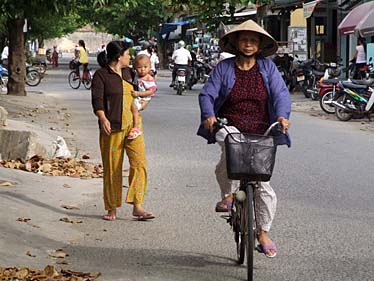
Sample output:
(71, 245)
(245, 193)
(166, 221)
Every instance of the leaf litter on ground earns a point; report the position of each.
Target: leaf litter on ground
(48, 273)
(56, 167)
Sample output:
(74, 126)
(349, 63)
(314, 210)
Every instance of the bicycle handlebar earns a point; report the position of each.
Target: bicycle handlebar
(222, 123)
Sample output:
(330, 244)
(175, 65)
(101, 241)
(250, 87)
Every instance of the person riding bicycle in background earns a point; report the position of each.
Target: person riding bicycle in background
(248, 91)
(81, 55)
(182, 59)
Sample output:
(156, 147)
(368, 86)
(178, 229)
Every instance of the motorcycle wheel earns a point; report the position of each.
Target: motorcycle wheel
(323, 102)
(304, 88)
(179, 90)
(33, 78)
(4, 83)
(340, 113)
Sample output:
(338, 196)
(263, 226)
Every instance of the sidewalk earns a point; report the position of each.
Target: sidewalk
(33, 208)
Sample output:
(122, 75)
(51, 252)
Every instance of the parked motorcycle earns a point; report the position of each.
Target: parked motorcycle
(40, 65)
(284, 65)
(330, 91)
(33, 76)
(313, 72)
(3, 78)
(356, 101)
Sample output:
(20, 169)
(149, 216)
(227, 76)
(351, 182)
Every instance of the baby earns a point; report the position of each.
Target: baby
(147, 88)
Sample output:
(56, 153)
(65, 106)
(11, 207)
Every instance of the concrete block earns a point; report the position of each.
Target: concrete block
(23, 141)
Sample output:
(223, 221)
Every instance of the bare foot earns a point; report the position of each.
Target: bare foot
(110, 216)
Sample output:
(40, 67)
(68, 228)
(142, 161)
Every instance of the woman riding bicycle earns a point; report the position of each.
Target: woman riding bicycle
(81, 55)
(248, 91)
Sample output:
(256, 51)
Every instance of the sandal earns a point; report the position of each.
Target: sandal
(225, 205)
(134, 133)
(143, 216)
(266, 248)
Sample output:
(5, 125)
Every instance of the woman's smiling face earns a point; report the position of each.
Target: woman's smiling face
(248, 42)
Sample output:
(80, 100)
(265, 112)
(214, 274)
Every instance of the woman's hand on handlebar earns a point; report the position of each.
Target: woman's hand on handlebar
(209, 123)
(285, 124)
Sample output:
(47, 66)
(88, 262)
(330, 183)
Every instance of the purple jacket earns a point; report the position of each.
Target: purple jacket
(222, 80)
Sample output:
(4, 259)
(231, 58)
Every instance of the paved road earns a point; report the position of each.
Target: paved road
(324, 227)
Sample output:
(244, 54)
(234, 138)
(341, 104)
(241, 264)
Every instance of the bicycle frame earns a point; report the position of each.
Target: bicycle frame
(242, 217)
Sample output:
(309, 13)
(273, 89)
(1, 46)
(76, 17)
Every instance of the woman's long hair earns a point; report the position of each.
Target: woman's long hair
(114, 50)
(81, 43)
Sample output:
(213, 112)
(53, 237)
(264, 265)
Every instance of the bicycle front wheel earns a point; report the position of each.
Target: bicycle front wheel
(250, 231)
(74, 80)
(239, 229)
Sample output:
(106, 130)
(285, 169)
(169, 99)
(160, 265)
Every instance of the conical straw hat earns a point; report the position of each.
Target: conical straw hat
(268, 44)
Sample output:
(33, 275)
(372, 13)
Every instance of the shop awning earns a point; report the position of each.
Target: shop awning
(171, 26)
(366, 25)
(348, 24)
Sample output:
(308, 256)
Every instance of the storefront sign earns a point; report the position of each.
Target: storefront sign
(309, 8)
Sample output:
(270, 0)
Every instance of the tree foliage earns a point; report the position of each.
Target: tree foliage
(14, 13)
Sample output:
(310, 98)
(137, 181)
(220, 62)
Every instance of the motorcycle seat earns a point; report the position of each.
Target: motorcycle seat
(331, 81)
(366, 82)
(353, 86)
(318, 73)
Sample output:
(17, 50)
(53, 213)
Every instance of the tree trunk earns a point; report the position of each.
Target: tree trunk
(16, 58)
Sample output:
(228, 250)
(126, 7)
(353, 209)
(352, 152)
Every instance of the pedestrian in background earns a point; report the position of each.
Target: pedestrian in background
(359, 58)
(54, 57)
(111, 101)
(4, 56)
(154, 60)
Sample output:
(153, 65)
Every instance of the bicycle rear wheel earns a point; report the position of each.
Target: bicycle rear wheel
(87, 80)
(250, 237)
(74, 80)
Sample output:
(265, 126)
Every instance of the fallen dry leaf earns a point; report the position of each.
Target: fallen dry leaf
(22, 273)
(28, 253)
(67, 207)
(24, 219)
(58, 254)
(6, 183)
(68, 220)
(50, 271)
(66, 185)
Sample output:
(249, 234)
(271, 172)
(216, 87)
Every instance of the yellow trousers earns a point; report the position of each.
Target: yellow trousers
(112, 153)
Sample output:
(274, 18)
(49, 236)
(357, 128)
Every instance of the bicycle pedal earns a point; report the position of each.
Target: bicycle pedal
(258, 248)
(227, 218)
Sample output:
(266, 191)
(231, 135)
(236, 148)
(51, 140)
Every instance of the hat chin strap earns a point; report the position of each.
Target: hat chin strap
(245, 56)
